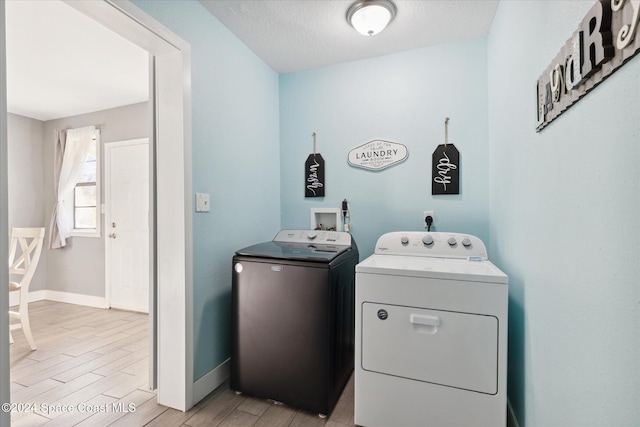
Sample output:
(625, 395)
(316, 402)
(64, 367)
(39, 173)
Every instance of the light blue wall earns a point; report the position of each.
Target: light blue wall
(565, 227)
(235, 159)
(403, 98)
(564, 203)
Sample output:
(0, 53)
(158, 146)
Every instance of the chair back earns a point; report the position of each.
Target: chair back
(24, 261)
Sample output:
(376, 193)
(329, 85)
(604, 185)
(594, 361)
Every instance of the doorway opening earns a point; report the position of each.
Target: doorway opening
(170, 217)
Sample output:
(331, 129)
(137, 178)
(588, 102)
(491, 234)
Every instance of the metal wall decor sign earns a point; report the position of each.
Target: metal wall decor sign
(377, 155)
(314, 173)
(445, 167)
(606, 38)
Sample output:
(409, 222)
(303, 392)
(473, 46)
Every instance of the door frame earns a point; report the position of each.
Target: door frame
(107, 201)
(171, 217)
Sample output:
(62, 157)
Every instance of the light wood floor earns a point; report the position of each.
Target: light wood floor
(91, 367)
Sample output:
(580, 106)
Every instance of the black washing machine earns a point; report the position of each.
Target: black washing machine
(293, 319)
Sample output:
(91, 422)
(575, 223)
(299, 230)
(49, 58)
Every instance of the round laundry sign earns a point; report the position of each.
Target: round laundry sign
(377, 154)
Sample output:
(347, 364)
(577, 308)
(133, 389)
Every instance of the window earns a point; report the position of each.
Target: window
(83, 203)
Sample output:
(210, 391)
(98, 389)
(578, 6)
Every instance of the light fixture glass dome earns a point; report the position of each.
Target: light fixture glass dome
(369, 17)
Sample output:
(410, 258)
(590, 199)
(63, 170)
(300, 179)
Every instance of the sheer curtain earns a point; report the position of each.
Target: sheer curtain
(71, 149)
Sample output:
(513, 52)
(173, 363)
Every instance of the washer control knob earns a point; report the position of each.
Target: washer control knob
(466, 242)
(427, 240)
(404, 240)
(312, 235)
(452, 241)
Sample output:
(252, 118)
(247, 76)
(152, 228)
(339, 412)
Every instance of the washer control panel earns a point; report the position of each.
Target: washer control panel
(314, 236)
(433, 244)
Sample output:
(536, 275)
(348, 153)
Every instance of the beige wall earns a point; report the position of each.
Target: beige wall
(27, 180)
(79, 267)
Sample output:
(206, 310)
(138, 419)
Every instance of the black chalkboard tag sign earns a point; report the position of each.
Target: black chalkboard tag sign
(445, 170)
(445, 167)
(314, 173)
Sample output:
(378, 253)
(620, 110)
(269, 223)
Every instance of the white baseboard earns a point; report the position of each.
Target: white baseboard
(14, 297)
(45, 294)
(211, 380)
(77, 299)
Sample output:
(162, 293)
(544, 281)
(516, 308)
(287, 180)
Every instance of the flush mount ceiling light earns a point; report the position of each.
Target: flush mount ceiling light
(369, 17)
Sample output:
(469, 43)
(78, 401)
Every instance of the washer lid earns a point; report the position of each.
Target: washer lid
(294, 251)
(302, 245)
(432, 267)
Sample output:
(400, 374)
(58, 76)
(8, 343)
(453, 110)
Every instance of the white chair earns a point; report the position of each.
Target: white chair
(23, 262)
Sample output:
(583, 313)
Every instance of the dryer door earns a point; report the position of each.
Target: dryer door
(441, 347)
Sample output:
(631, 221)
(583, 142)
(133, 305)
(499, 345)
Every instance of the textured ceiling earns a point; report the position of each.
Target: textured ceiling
(61, 63)
(295, 35)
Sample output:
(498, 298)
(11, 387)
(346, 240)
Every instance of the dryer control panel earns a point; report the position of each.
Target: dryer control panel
(432, 244)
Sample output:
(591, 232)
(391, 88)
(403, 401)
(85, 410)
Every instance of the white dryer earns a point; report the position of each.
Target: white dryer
(431, 333)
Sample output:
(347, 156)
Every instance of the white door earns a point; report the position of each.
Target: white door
(127, 224)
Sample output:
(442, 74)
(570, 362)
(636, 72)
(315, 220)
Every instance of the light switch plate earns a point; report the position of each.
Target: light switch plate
(202, 202)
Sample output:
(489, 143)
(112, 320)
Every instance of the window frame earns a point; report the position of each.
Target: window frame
(77, 207)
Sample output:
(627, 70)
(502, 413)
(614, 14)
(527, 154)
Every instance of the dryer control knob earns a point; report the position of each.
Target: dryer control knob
(312, 235)
(466, 242)
(427, 240)
(404, 240)
(452, 241)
